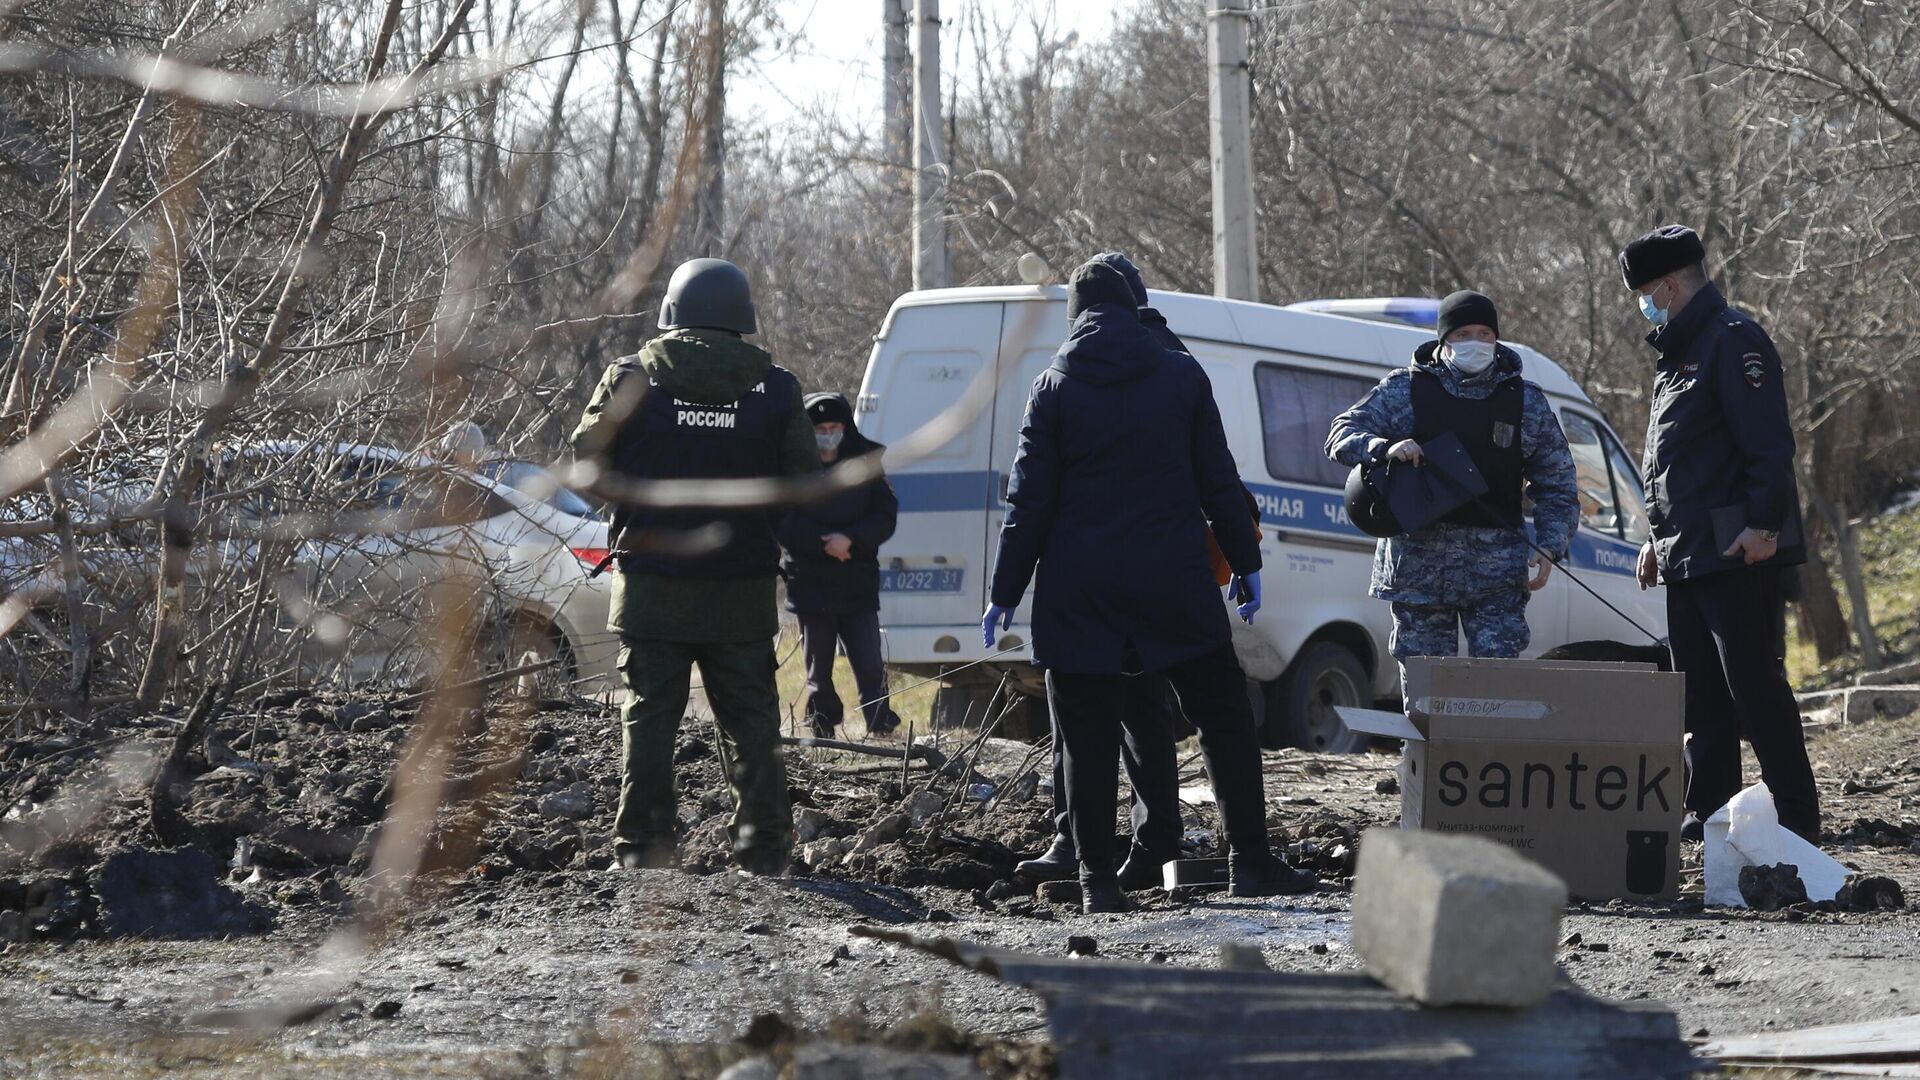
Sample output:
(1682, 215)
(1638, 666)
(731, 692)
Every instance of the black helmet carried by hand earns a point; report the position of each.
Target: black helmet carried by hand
(710, 294)
(1367, 504)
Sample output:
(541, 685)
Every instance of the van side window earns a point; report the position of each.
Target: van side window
(1297, 407)
(1610, 497)
(1632, 494)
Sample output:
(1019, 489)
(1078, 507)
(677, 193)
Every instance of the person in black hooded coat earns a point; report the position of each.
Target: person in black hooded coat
(1122, 465)
(1149, 316)
(832, 568)
(1147, 747)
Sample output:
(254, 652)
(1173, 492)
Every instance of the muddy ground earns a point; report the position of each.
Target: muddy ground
(524, 953)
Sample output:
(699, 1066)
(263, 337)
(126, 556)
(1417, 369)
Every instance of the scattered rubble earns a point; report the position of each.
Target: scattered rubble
(1771, 888)
(172, 894)
(286, 812)
(1870, 893)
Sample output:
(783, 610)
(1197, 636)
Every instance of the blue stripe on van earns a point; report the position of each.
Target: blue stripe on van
(1603, 553)
(946, 492)
(1284, 506)
(1303, 508)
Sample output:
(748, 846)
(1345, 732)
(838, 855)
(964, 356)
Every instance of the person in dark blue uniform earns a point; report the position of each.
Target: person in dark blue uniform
(832, 568)
(1725, 516)
(1123, 464)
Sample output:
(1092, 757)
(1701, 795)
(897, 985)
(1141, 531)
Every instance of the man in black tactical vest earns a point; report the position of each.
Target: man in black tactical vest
(696, 585)
(1470, 573)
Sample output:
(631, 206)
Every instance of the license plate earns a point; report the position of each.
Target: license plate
(921, 581)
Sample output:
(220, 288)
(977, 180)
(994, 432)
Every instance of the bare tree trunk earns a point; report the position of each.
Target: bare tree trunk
(654, 120)
(897, 96)
(78, 678)
(710, 236)
(1822, 620)
(1852, 576)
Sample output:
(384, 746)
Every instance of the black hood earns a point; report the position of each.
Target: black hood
(828, 408)
(1128, 271)
(1098, 284)
(1107, 345)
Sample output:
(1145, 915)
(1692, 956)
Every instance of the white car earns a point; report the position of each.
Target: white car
(1280, 376)
(386, 525)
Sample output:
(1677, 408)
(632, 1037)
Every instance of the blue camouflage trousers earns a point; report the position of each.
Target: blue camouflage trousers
(1495, 624)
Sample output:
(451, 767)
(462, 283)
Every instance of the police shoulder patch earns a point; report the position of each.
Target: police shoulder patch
(1754, 367)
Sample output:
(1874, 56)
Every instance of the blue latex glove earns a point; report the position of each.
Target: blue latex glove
(995, 614)
(1247, 585)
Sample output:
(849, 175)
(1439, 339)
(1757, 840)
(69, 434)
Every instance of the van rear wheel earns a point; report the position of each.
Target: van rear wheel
(1301, 710)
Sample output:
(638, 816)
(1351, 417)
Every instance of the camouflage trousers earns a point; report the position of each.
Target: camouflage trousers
(1495, 625)
(738, 680)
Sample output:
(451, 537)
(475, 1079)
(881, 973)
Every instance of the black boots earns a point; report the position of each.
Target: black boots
(1101, 896)
(1264, 875)
(1058, 863)
(1142, 870)
(764, 861)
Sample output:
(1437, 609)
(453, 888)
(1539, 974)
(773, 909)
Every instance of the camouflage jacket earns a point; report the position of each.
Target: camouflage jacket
(1456, 565)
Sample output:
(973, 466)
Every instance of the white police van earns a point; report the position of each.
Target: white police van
(1280, 376)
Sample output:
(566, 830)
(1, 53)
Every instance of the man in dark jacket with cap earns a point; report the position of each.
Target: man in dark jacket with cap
(1122, 465)
(1725, 515)
(696, 584)
(832, 567)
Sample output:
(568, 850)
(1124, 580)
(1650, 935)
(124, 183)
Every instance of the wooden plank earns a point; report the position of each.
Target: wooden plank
(1893, 1039)
(1127, 1021)
(1845, 1068)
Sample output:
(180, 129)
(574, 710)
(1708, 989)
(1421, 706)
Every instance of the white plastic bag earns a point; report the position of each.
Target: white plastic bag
(1747, 832)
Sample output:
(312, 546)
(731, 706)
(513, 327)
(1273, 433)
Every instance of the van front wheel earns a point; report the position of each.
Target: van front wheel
(1300, 707)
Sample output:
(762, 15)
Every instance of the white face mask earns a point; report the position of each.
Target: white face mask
(1470, 357)
(829, 440)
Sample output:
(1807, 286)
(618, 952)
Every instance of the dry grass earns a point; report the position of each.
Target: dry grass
(1890, 550)
(914, 705)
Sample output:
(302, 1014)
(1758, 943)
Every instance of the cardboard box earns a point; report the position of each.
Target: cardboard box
(1576, 765)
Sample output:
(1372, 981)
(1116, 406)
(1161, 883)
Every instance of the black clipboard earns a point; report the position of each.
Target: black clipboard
(1444, 481)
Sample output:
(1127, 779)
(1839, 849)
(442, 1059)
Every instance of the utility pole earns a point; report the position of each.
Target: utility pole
(710, 227)
(930, 269)
(898, 89)
(1236, 242)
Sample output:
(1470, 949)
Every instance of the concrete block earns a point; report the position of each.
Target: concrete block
(1908, 672)
(1456, 920)
(1869, 703)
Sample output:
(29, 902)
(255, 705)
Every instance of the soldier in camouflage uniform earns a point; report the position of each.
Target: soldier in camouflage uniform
(699, 403)
(1473, 570)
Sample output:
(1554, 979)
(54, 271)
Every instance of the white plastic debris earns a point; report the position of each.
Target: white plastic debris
(1747, 832)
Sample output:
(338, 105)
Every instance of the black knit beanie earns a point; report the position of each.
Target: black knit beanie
(1466, 308)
